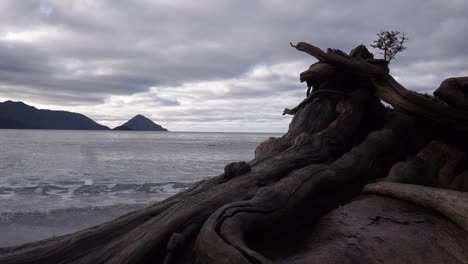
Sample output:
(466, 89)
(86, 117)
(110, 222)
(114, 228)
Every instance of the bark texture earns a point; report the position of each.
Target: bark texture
(352, 181)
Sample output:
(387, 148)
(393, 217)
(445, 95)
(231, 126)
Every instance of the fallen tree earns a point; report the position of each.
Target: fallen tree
(352, 181)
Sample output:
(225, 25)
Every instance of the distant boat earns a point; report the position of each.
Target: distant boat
(140, 123)
(18, 115)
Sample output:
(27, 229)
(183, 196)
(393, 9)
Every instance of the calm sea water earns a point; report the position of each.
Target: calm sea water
(55, 182)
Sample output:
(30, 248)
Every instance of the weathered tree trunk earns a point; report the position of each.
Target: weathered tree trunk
(301, 200)
(454, 91)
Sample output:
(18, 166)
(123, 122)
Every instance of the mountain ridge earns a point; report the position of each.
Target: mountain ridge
(19, 115)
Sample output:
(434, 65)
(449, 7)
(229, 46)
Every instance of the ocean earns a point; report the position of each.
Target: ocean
(54, 182)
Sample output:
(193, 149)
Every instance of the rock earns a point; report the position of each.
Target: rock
(236, 169)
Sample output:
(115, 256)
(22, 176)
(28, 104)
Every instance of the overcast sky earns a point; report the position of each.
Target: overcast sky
(209, 65)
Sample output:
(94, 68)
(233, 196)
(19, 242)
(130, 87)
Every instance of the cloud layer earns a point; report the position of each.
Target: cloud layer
(207, 65)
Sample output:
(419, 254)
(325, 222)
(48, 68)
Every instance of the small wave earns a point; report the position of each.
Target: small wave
(90, 188)
(54, 196)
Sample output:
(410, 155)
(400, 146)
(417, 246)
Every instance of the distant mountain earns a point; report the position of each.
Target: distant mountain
(140, 123)
(123, 128)
(18, 115)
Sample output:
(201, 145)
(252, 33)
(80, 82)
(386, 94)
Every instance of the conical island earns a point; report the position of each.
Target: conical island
(140, 123)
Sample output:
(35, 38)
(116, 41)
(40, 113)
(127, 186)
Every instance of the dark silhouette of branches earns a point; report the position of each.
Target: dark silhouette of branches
(390, 43)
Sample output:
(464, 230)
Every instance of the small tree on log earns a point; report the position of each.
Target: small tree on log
(389, 43)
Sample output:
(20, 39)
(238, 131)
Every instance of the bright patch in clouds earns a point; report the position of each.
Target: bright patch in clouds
(220, 105)
(36, 34)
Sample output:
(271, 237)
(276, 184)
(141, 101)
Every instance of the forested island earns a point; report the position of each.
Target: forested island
(18, 115)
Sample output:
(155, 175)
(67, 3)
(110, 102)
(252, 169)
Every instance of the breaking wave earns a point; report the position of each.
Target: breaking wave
(68, 188)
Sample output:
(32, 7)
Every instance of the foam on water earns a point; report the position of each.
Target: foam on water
(84, 193)
(96, 203)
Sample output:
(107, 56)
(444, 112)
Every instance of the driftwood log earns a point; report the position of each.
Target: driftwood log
(352, 181)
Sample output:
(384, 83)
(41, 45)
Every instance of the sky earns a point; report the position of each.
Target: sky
(208, 65)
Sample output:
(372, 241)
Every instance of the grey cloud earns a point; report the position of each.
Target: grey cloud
(90, 51)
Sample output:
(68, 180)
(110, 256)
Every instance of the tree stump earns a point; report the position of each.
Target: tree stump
(352, 181)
